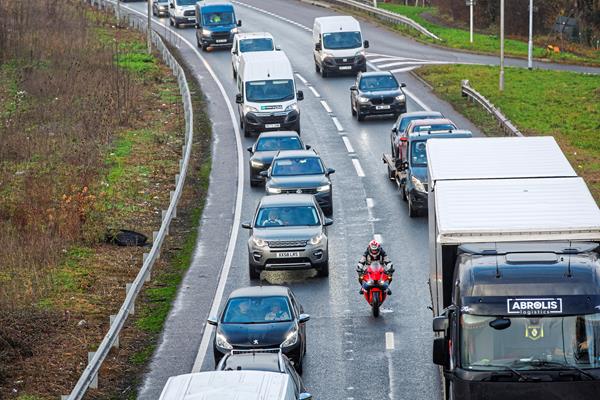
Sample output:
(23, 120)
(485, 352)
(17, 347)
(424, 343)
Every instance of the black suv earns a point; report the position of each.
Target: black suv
(377, 93)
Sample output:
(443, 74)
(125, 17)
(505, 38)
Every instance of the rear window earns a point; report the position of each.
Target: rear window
(279, 143)
(434, 128)
(258, 44)
(407, 120)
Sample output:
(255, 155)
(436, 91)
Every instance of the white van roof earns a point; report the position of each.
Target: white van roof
(227, 385)
(254, 35)
(265, 65)
(338, 23)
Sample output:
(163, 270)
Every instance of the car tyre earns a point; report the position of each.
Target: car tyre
(317, 68)
(324, 73)
(412, 212)
(298, 367)
(360, 116)
(204, 47)
(403, 192)
(170, 22)
(234, 73)
(253, 272)
(254, 183)
(323, 270)
(352, 108)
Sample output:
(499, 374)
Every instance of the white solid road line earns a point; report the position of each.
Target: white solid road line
(326, 106)
(382, 59)
(370, 202)
(208, 329)
(359, 171)
(312, 89)
(348, 144)
(378, 238)
(389, 341)
(337, 123)
(407, 69)
(407, 92)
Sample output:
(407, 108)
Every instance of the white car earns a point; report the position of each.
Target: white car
(246, 42)
(182, 12)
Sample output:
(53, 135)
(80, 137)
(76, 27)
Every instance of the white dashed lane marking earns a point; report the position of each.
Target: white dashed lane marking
(389, 341)
(378, 238)
(359, 171)
(326, 106)
(348, 144)
(339, 126)
(314, 91)
(370, 202)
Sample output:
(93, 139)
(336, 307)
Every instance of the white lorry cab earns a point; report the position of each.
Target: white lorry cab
(338, 46)
(247, 42)
(267, 98)
(182, 12)
(232, 385)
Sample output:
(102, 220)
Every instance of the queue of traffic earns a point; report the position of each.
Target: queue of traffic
(514, 234)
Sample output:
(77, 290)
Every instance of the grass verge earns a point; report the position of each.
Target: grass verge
(562, 104)
(482, 43)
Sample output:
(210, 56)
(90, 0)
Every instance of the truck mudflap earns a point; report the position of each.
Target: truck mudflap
(566, 389)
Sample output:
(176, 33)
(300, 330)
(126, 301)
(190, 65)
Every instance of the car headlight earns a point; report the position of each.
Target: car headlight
(234, 30)
(292, 107)
(362, 99)
(206, 32)
(248, 109)
(401, 98)
(222, 342)
(317, 239)
(259, 242)
(256, 164)
(324, 188)
(273, 190)
(291, 339)
(326, 55)
(418, 184)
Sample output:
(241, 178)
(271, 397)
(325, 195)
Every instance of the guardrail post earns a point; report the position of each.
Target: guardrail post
(116, 343)
(94, 383)
(127, 289)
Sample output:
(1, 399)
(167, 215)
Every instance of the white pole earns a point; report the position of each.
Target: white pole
(471, 21)
(118, 13)
(375, 3)
(149, 27)
(501, 85)
(530, 51)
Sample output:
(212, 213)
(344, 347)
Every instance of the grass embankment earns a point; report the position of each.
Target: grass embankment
(562, 104)
(92, 129)
(482, 43)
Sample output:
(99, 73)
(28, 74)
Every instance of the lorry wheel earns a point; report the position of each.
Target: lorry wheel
(323, 270)
(253, 272)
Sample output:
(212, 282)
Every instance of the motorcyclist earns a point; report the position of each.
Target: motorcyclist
(374, 253)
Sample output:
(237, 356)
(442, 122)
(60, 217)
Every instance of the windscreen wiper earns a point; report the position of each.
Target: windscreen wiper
(506, 368)
(542, 363)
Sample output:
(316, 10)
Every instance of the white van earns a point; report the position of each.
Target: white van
(232, 385)
(267, 98)
(338, 46)
(182, 12)
(246, 42)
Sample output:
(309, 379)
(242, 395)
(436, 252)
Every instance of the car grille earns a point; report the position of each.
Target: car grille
(382, 100)
(301, 260)
(340, 61)
(271, 119)
(286, 243)
(189, 13)
(220, 35)
(298, 191)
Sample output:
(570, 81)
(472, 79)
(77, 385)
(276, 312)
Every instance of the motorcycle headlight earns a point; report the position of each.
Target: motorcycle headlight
(362, 99)
(259, 242)
(317, 239)
(206, 32)
(256, 164)
(272, 190)
(324, 188)
(249, 109)
(418, 184)
(234, 30)
(292, 107)
(382, 282)
(401, 98)
(370, 282)
(291, 339)
(222, 342)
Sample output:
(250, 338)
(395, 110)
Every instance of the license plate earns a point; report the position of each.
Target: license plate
(288, 254)
(344, 67)
(221, 40)
(382, 107)
(269, 126)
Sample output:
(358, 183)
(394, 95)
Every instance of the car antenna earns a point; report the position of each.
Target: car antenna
(569, 273)
(498, 275)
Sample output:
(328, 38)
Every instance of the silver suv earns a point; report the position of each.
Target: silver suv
(288, 232)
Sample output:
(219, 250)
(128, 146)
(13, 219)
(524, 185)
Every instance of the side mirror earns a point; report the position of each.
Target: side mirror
(440, 324)
(305, 396)
(308, 147)
(328, 222)
(246, 225)
(441, 353)
(318, 47)
(395, 130)
(404, 165)
(302, 318)
(278, 48)
(264, 174)
(353, 87)
(249, 149)
(212, 321)
(366, 44)
(238, 98)
(197, 26)
(234, 52)
(300, 95)
(171, 5)
(403, 84)
(330, 171)
(239, 23)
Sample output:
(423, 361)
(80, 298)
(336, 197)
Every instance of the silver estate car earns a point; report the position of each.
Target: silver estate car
(288, 232)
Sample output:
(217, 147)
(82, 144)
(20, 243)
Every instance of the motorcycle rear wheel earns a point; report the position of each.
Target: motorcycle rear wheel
(375, 304)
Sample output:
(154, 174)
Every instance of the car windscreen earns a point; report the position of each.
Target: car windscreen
(212, 18)
(287, 216)
(270, 91)
(342, 40)
(381, 82)
(258, 44)
(257, 310)
(418, 154)
(279, 143)
(186, 2)
(407, 120)
(297, 166)
(434, 128)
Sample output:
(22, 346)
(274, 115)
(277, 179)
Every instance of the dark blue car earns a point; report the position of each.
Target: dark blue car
(215, 25)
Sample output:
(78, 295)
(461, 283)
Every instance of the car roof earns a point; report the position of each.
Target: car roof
(421, 114)
(253, 35)
(297, 154)
(278, 134)
(453, 134)
(431, 121)
(375, 73)
(261, 65)
(288, 200)
(260, 291)
(253, 361)
(222, 5)
(337, 23)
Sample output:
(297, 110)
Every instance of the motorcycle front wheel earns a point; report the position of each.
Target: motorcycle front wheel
(375, 304)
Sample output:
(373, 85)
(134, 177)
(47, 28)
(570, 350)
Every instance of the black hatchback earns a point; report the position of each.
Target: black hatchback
(377, 93)
(261, 317)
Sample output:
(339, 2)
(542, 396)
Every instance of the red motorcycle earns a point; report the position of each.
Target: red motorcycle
(375, 285)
